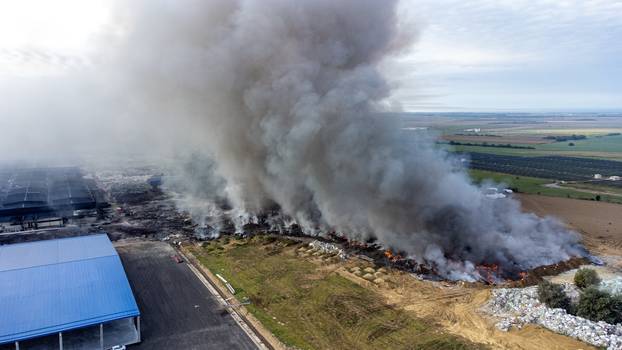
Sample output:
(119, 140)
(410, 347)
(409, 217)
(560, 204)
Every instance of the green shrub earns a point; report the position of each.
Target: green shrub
(597, 305)
(553, 296)
(585, 278)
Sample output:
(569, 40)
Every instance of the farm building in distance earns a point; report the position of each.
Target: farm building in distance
(65, 293)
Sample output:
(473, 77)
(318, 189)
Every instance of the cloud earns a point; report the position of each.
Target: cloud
(477, 43)
(484, 46)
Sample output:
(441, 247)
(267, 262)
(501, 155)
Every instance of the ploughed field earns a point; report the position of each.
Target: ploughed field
(600, 224)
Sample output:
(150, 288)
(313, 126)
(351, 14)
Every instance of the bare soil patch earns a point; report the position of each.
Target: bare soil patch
(514, 139)
(599, 223)
(456, 308)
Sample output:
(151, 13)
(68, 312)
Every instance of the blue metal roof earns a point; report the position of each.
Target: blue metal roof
(58, 285)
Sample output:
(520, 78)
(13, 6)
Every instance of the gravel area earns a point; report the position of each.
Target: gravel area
(519, 306)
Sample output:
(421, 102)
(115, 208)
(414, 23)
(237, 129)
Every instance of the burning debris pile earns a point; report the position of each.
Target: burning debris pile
(519, 306)
(139, 208)
(294, 118)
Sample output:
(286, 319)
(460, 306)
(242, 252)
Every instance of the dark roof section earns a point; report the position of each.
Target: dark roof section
(43, 191)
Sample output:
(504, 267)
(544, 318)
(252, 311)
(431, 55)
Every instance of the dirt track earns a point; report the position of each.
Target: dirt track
(457, 309)
(599, 223)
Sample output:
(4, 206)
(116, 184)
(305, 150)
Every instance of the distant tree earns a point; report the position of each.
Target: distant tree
(571, 144)
(585, 278)
(597, 305)
(598, 197)
(553, 296)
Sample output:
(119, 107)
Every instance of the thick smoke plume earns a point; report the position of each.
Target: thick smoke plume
(287, 97)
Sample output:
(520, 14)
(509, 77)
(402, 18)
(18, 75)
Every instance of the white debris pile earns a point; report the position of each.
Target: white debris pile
(519, 306)
(613, 286)
(328, 248)
(573, 292)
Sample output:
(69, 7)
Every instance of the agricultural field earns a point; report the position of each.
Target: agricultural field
(606, 144)
(496, 139)
(538, 154)
(600, 224)
(536, 131)
(525, 184)
(600, 147)
(550, 167)
(545, 187)
(309, 307)
(553, 176)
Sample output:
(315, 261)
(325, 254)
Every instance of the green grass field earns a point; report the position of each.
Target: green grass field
(532, 185)
(524, 184)
(610, 144)
(604, 147)
(310, 308)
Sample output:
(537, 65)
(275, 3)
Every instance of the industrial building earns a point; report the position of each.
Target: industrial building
(36, 195)
(65, 293)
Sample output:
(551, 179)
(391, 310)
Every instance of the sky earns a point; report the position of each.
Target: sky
(476, 55)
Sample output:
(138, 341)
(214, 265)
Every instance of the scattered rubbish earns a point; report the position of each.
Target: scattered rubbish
(328, 248)
(519, 306)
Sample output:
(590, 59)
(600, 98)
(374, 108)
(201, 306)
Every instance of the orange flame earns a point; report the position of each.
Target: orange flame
(392, 257)
(489, 272)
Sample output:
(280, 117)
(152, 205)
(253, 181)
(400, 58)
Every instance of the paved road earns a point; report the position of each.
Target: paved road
(177, 310)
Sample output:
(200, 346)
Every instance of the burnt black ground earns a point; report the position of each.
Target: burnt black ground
(177, 310)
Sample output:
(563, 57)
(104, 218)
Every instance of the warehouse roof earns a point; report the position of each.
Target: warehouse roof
(46, 191)
(62, 284)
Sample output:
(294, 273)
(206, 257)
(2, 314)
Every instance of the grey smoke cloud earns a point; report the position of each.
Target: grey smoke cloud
(286, 98)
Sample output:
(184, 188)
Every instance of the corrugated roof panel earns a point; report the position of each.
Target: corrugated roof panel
(25, 255)
(30, 254)
(49, 298)
(78, 249)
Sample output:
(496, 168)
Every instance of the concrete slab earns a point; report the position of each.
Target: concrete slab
(177, 310)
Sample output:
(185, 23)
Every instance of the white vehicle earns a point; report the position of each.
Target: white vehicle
(118, 347)
(493, 193)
